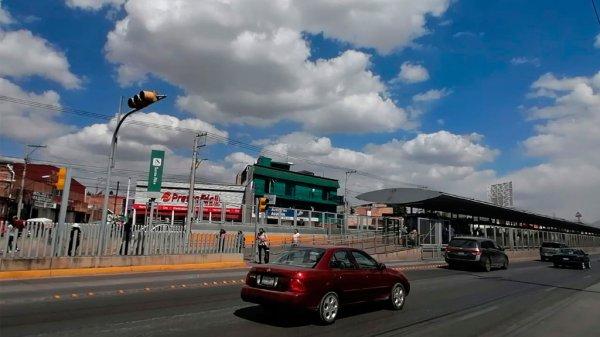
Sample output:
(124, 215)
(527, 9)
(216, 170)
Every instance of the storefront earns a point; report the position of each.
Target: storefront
(212, 202)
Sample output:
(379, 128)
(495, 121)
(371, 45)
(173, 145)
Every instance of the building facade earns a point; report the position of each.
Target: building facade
(211, 202)
(40, 197)
(298, 190)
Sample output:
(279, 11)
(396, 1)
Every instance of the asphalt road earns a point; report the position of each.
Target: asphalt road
(529, 299)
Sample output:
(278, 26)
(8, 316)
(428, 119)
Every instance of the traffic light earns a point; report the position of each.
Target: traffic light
(61, 177)
(262, 204)
(143, 99)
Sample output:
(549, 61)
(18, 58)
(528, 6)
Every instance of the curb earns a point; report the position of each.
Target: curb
(26, 274)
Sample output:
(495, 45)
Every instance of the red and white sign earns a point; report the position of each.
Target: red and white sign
(211, 198)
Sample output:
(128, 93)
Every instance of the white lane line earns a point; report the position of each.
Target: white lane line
(587, 276)
(549, 289)
(477, 313)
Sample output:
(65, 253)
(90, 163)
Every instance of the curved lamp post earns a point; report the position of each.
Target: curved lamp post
(136, 103)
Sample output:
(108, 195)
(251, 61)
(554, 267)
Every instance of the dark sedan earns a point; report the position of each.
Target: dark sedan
(322, 279)
(571, 257)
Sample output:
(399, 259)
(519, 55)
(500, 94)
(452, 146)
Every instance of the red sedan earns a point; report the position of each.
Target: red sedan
(321, 279)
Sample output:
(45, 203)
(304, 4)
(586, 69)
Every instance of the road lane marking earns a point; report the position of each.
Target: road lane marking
(587, 276)
(478, 313)
(549, 289)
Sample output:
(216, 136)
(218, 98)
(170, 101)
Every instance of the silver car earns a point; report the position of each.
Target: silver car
(549, 248)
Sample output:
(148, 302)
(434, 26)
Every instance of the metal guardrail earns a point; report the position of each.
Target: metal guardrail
(40, 241)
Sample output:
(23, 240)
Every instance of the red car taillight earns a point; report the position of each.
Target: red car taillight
(297, 285)
(251, 279)
(476, 252)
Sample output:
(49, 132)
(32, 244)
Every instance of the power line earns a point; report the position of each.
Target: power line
(596, 11)
(137, 120)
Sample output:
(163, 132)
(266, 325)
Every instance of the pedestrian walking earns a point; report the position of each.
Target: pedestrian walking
(263, 245)
(295, 238)
(221, 238)
(127, 228)
(74, 240)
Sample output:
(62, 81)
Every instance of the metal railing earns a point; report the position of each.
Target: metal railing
(39, 241)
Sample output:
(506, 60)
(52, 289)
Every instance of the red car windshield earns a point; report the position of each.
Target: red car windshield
(301, 257)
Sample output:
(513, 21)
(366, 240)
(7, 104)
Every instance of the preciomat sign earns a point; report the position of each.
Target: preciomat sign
(206, 198)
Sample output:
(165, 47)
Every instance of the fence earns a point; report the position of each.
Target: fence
(38, 241)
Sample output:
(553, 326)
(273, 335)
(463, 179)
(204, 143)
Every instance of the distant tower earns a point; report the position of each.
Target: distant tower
(578, 216)
(501, 194)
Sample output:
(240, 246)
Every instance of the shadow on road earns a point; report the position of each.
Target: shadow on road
(285, 318)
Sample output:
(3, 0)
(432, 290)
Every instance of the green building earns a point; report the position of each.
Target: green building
(298, 190)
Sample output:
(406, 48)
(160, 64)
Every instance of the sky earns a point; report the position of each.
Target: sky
(450, 95)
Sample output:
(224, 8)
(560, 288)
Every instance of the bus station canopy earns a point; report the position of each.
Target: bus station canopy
(440, 201)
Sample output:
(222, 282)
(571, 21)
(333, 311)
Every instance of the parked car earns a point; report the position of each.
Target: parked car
(475, 251)
(323, 279)
(549, 248)
(571, 257)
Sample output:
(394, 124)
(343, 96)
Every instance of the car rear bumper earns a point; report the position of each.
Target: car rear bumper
(294, 300)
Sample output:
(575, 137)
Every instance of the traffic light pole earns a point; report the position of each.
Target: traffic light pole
(111, 164)
(62, 215)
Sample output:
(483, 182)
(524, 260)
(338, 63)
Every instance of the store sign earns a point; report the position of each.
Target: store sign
(157, 162)
(206, 199)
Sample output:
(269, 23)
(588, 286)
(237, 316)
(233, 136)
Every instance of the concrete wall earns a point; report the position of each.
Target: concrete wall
(117, 261)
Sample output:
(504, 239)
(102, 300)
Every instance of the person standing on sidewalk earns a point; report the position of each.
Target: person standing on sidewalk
(295, 238)
(12, 231)
(263, 245)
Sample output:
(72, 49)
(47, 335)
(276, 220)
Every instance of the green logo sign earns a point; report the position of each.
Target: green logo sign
(157, 161)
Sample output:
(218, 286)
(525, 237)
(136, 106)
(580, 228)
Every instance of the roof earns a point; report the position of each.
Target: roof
(295, 176)
(445, 202)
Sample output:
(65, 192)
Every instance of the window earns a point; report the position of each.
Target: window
(464, 243)
(487, 245)
(341, 260)
(290, 189)
(364, 261)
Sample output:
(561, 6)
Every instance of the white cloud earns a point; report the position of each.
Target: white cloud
(248, 62)
(26, 124)
(5, 17)
(597, 42)
(525, 60)
(412, 73)
(431, 95)
(467, 34)
(137, 137)
(567, 138)
(24, 54)
(93, 4)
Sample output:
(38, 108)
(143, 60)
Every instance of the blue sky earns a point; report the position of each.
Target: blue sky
(453, 95)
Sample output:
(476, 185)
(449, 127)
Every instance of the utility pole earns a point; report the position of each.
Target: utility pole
(345, 227)
(127, 198)
(116, 197)
(20, 201)
(191, 206)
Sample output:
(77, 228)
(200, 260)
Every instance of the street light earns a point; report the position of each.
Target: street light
(136, 103)
(20, 201)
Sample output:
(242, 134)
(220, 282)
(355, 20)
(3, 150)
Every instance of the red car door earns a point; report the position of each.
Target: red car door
(345, 275)
(369, 277)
